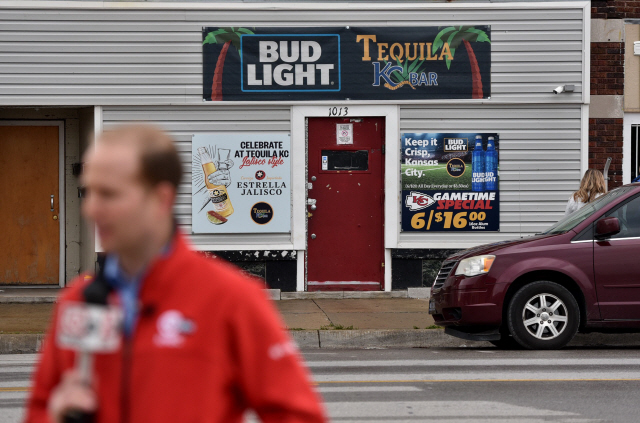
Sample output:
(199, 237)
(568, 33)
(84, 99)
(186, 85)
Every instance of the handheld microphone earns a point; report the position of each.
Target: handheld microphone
(89, 327)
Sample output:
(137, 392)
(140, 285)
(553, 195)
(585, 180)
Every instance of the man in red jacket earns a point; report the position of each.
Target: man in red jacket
(201, 342)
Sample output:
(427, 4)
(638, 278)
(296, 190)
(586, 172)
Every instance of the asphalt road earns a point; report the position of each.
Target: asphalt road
(445, 385)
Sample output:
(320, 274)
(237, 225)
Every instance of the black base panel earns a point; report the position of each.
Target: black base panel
(282, 275)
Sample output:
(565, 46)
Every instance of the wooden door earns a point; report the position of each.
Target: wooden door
(346, 230)
(30, 240)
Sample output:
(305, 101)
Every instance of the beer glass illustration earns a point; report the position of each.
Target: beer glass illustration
(223, 158)
(217, 193)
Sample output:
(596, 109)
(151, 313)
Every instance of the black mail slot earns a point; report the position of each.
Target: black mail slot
(345, 160)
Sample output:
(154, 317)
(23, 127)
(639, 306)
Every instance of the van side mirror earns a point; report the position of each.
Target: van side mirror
(607, 227)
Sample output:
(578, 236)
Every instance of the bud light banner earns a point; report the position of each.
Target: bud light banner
(241, 183)
(450, 182)
(338, 63)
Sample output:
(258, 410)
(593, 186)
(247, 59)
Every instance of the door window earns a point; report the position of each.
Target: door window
(635, 150)
(629, 216)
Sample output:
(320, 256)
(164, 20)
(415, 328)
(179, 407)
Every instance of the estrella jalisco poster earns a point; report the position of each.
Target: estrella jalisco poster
(241, 183)
(337, 63)
(450, 182)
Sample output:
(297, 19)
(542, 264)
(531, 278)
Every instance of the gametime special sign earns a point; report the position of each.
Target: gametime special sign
(241, 183)
(337, 63)
(450, 182)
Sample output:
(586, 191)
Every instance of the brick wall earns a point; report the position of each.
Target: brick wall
(615, 9)
(607, 68)
(605, 140)
(607, 78)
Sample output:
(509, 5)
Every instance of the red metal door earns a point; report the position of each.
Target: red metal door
(345, 235)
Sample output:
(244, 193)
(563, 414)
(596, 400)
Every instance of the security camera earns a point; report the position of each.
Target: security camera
(564, 89)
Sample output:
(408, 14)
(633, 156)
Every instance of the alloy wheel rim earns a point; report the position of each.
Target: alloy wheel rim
(545, 316)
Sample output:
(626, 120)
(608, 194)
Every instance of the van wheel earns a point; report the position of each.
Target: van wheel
(543, 315)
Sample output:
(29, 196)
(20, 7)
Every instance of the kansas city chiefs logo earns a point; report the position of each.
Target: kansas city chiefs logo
(418, 201)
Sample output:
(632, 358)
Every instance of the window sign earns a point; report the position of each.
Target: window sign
(344, 133)
(241, 183)
(450, 182)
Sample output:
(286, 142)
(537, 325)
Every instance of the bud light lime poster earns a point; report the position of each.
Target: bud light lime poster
(450, 182)
(241, 183)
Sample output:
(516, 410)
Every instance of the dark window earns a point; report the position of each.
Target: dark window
(345, 160)
(585, 235)
(629, 216)
(635, 129)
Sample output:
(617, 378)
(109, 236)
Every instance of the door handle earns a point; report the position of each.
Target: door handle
(52, 202)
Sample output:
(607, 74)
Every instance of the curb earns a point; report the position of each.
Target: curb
(340, 295)
(273, 294)
(380, 338)
(21, 343)
(28, 299)
(434, 338)
(365, 339)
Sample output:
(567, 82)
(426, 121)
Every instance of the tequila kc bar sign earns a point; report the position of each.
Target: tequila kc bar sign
(272, 64)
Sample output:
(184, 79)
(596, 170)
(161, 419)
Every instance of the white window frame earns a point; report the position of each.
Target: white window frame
(630, 119)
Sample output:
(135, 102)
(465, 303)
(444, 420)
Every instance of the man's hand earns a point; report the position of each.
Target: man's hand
(221, 176)
(71, 394)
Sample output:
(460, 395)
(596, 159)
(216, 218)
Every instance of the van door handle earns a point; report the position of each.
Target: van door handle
(51, 202)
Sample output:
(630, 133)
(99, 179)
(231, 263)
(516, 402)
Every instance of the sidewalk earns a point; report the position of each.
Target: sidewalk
(381, 322)
(29, 310)
(382, 313)
(378, 322)
(23, 316)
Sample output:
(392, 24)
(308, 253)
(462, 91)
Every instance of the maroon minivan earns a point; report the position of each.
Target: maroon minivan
(582, 274)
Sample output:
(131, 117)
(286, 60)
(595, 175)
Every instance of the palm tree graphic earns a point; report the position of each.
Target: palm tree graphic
(226, 36)
(466, 35)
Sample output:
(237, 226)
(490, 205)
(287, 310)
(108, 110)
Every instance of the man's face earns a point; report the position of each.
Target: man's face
(122, 207)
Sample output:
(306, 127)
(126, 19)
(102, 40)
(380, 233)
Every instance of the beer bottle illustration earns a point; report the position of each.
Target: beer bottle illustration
(477, 166)
(491, 166)
(218, 193)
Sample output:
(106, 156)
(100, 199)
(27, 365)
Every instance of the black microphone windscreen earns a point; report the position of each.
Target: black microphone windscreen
(97, 292)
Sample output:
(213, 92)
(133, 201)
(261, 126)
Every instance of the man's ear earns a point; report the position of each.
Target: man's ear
(166, 194)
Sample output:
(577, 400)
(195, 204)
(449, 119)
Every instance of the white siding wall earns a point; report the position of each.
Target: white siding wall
(144, 62)
(184, 121)
(150, 54)
(540, 152)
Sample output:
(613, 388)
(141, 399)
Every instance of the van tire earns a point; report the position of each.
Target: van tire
(543, 315)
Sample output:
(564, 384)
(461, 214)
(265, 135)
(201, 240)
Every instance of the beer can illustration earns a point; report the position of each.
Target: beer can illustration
(491, 166)
(477, 166)
(218, 193)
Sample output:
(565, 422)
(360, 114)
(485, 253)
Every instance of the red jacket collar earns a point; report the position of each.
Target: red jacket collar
(157, 282)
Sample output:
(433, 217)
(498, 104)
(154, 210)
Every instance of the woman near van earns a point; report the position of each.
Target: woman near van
(591, 187)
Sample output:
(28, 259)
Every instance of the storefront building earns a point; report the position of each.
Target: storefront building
(348, 129)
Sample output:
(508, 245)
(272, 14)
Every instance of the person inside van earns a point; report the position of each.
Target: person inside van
(591, 187)
(637, 178)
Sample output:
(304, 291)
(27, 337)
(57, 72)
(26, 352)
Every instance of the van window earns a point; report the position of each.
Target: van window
(629, 216)
(574, 219)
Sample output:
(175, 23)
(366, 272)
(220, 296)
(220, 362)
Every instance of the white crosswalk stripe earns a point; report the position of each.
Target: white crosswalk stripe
(15, 376)
(326, 389)
(402, 390)
(409, 390)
